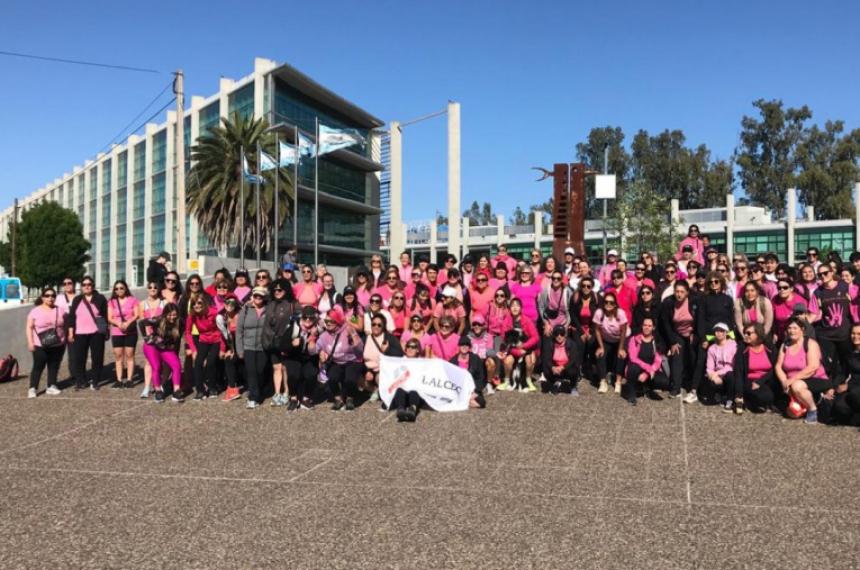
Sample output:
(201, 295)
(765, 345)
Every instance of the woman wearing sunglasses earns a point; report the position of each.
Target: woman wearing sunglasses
(221, 289)
(123, 313)
(755, 380)
(422, 304)
(363, 286)
(526, 289)
(149, 310)
(390, 285)
(172, 291)
(799, 368)
(205, 346)
(754, 307)
(583, 304)
(87, 333)
(276, 336)
(517, 350)
(666, 286)
(644, 366)
(227, 321)
(301, 363)
(341, 357)
(352, 309)
(46, 340)
(242, 288)
(715, 306)
(677, 327)
(561, 362)
(378, 342)
(610, 330)
(833, 327)
(399, 314)
(308, 291)
(250, 330)
(161, 346)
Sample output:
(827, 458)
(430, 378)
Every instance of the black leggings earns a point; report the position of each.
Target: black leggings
(50, 357)
(846, 406)
(344, 378)
(609, 363)
(659, 382)
(727, 389)
(682, 366)
(231, 371)
(204, 366)
(255, 369)
(402, 398)
(762, 397)
(835, 356)
(589, 359)
(301, 377)
(95, 345)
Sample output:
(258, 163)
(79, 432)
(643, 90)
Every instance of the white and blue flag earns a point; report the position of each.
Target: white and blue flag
(286, 153)
(266, 162)
(336, 139)
(246, 172)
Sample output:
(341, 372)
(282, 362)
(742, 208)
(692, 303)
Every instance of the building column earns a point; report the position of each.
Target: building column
(454, 178)
(538, 220)
(790, 221)
(129, 210)
(730, 226)
(857, 216)
(396, 237)
(465, 236)
(433, 241)
(500, 229)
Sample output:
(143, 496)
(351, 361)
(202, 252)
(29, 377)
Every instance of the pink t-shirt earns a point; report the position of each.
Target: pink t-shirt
(84, 322)
(308, 294)
(610, 327)
(457, 312)
(559, 355)
(528, 294)
(463, 361)
(128, 307)
(759, 364)
(481, 301)
(45, 320)
(444, 348)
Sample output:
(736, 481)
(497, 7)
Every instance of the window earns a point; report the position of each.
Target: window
(840, 240)
(159, 151)
(121, 205)
(139, 161)
(241, 101)
(335, 179)
(104, 278)
(137, 239)
(763, 242)
(139, 200)
(120, 242)
(120, 270)
(337, 227)
(158, 233)
(106, 176)
(122, 170)
(158, 201)
(106, 222)
(210, 117)
(79, 200)
(105, 245)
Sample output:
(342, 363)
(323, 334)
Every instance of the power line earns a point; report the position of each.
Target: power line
(136, 117)
(78, 62)
(148, 119)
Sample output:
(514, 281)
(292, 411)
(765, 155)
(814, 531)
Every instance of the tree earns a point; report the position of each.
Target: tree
(519, 218)
(214, 184)
(767, 153)
(642, 219)
(440, 219)
(828, 170)
(544, 209)
(480, 215)
(50, 246)
(591, 151)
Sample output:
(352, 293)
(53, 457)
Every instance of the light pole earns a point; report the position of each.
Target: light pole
(605, 171)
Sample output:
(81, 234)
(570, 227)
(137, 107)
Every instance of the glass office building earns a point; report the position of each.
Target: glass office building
(126, 198)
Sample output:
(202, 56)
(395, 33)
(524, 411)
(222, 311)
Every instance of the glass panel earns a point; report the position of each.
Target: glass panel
(242, 102)
(337, 227)
(158, 233)
(159, 151)
(210, 117)
(121, 242)
(158, 201)
(139, 161)
(334, 179)
(139, 200)
(137, 239)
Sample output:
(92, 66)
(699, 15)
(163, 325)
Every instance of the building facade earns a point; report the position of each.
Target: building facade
(126, 198)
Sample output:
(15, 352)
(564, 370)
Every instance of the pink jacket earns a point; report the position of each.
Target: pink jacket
(633, 356)
(721, 359)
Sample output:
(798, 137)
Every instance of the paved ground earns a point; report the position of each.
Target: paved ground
(105, 480)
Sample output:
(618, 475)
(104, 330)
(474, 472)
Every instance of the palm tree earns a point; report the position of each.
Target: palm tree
(214, 184)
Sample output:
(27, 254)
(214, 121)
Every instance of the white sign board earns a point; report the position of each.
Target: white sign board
(445, 387)
(604, 186)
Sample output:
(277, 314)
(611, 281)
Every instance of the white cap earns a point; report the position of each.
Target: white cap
(612, 252)
(721, 327)
(449, 291)
(570, 251)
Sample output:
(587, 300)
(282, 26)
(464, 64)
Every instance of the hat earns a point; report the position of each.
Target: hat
(449, 291)
(710, 249)
(336, 314)
(569, 251)
(241, 271)
(349, 290)
(165, 255)
(467, 259)
(612, 252)
(464, 341)
(308, 311)
(721, 327)
(558, 330)
(800, 309)
(288, 267)
(416, 317)
(687, 247)
(264, 291)
(479, 320)
(231, 299)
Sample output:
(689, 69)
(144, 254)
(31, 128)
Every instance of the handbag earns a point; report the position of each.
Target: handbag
(100, 321)
(549, 313)
(50, 338)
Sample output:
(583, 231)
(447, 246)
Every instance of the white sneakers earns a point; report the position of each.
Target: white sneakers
(53, 391)
(31, 393)
(618, 385)
(691, 398)
(604, 386)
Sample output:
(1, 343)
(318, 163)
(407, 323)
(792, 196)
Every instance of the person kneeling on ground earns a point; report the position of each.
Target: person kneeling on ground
(406, 404)
(719, 373)
(560, 360)
(644, 367)
(378, 342)
(467, 360)
(799, 369)
(754, 373)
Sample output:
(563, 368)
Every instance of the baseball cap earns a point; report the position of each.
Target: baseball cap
(464, 341)
(479, 319)
(799, 309)
(687, 247)
(569, 251)
(288, 267)
(449, 291)
(612, 252)
(721, 327)
(558, 330)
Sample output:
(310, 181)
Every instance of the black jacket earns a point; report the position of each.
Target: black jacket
(98, 302)
(575, 306)
(394, 348)
(279, 316)
(155, 272)
(665, 328)
(476, 369)
(714, 309)
(573, 360)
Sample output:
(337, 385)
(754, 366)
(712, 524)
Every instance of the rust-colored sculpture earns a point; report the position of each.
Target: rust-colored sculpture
(568, 209)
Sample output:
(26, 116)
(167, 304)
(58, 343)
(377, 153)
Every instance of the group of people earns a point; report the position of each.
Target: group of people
(750, 333)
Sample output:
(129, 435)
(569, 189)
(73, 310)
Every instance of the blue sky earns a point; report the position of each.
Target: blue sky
(532, 77)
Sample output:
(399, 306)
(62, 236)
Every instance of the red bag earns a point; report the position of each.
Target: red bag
(795, 408)
(8, 368)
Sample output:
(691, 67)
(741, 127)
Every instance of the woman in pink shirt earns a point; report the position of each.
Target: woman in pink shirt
(45, 320)
(308, 291)
(390, 285)
(480, 296)
(122, 314)
(754, 377)
(416, 331)
(422, 304)
(499, 320)
(363, 286)
(86, 316)
(720, 367)
(610, 324)
(644, 364)
(443, 343)
(149, 310)
(399, 314)
(784, 304)
(450, 307)
(405, 269)
(799, 370)
(526, 289)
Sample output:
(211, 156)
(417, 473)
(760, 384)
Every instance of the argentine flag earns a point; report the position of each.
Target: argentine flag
(246, 172)
(336, 139)
(266, 162)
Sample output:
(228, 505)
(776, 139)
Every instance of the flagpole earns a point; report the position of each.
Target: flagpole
(257, 203)
(277, 212)
(242, 206)
(317, 195)
(296, 192)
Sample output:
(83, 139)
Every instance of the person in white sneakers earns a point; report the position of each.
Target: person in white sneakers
(46, 341)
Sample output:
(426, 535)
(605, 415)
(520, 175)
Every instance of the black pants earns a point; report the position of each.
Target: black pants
(682, 366)
(231, 371)
(205, 366)
(94, 344)
(255, 370)
(726, 390)
(302, 377)
(659, 382)
(344, 378)
(609, 363)
(402, 398)
(835, 356)
(588, 359)
(50, 357)
(846, 406)
(762, 397)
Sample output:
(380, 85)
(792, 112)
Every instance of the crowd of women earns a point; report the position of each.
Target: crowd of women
(747, 333)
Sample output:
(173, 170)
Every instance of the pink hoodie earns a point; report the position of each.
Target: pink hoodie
(721, 359)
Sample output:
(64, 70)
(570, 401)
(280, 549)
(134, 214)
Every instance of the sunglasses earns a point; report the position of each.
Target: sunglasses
(500, 296)
(482, 280)
(329, 322)
(68, 282)
(376, 325)
(609, 303)
(748, 333)
(741, 268)
(412, 347)
(119, 288)
(259, 277)
(86, 284)
(199, 305)
(152, 288)
(640, 269)
(376, 301)
(647, 292)
(195, 284)
(257, 296)
(416, 276)
(823, 273)
(415, 319)
(446, 327)
(784, 288)
(278, 290)
(170, 280)
(48, 296)
(393, 278)
(477, 325)
(670, 272)
(811, 254)
(398, 298)
(222, 288)
(585, 286)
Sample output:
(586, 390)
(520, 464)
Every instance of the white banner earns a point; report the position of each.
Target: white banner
(445, 387)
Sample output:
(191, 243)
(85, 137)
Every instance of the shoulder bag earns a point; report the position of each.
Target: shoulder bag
(50, 338)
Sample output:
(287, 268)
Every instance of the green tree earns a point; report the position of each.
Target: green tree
(480, 215)
(591, 151)
(519, 218)
(828, 170)
(50, 246)
(214, 188)
(767, 153)
(642, 218)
